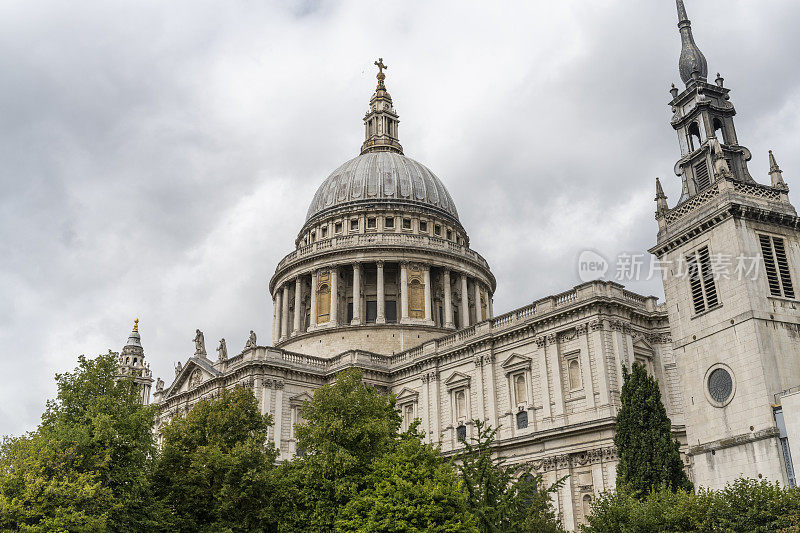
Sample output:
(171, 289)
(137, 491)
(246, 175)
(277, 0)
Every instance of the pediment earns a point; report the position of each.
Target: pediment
(456, 379)
(196, 372)
(516, 361)
(407, 394)
(300, 399)
(642, 345)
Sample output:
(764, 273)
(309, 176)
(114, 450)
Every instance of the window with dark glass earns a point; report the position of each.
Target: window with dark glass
(324, 231)
(349, 312)
(372, 311)
(391, 311)
(423, 226)
(522, 419)
(406, 223)
(372, 223)
(389, 223)
(354, 224)
(449, 235)
(461, 433)
(337, 227)
(437, 229)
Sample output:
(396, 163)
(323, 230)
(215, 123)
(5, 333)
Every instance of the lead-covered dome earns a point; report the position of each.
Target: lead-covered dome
(382, 176)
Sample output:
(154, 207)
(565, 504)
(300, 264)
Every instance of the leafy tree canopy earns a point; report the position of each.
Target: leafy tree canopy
(504, 498)
(85, 468)
(213, 472)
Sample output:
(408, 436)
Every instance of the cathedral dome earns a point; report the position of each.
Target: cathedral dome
(382, 177)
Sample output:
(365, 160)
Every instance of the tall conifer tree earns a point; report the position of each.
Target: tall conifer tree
(648, 454)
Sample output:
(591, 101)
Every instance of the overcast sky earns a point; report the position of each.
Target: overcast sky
(159, 157)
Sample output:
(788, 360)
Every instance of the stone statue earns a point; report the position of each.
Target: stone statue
(178, 368)
(159, 384)
(222, 350)
(721, 167)
(251, 341)
(199, 344)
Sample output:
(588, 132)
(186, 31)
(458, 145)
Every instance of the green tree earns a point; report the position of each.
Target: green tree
(411, 488)
(648, 454)
(745, 505)
(503, 498)
(213, 472)
(85, 467)
(347, 426)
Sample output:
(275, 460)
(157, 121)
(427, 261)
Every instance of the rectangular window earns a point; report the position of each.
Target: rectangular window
(449, 235)
(372, 311)
(337, 227)
(701, 280)
(354, 225)
(313, 236)
(777, 266)
(437, 229)
(349, 312)
(391, 311)
(324, 231)
(423, 226)
(372, 223)
(701, 175)
(389, 223)
(406, 223)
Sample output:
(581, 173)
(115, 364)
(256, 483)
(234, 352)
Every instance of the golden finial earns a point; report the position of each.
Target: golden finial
(136, 324)
(381, 75)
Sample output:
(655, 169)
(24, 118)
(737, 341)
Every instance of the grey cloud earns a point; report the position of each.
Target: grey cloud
(159, 157)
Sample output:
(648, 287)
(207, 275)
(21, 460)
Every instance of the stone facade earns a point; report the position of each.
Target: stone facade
(383, 278)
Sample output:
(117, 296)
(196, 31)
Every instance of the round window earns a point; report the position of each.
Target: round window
(720, 385)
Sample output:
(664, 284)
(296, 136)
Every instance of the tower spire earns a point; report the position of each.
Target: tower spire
(381, 120)
(661, 199)
(132, 364)
(775, 173)
(692, 64)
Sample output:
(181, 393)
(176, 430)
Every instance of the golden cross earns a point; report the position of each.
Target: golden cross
(380, 65)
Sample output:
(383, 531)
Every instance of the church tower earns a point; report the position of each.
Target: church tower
(729, 253)
(132, 365)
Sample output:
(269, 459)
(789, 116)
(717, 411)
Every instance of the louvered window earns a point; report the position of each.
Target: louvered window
(776, 264)
(701, 175)
(701, 280)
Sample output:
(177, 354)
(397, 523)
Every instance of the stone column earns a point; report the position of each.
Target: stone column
(381, 316)
(448, 301)
(464, 301)
(278, 416)
(313, 322)
(427, 279)
(478, 311)
(334, 296)
(490, 298)
(276, 316)
(285, 313)
(586, 367)
(298, 302)
(403, 292)
(356, 294)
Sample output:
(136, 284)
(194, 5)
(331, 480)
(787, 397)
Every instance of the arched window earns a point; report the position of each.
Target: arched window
(719, 131)
(134, 361)
(416, 299)
(461, 404)
(520, 389)
(574, 369)
(587, 506)
(694, 136)
(323, 303)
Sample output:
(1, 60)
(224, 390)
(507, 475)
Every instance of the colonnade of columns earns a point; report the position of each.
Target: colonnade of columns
(316, 298)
